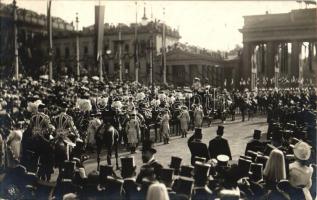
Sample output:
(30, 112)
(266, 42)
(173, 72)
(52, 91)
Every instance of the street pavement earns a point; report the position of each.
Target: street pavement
(236, 132)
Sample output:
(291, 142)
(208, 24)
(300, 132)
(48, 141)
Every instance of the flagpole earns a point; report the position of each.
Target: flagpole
(136, 67)
(164, 49)
(77, 48)
(120, 56)
(50, 40)
(16, 51)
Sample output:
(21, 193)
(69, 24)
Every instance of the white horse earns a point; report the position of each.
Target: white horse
(91, 131)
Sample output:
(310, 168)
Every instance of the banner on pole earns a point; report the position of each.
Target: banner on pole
(99, 29)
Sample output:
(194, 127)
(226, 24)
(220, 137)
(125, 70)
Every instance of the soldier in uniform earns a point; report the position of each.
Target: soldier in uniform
(66, 129)
(42, 129)
(219, 145)
(197, 147)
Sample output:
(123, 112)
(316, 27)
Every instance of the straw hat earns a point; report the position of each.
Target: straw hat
(302, 150)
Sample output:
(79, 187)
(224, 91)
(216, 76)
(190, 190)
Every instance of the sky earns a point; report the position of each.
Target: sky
(212, 25)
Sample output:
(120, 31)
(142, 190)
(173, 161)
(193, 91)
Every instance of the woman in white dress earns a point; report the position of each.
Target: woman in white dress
(198, 116)
(165, 127)
(300, 173)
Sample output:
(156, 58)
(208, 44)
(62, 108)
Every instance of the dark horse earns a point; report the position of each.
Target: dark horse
(107, 135)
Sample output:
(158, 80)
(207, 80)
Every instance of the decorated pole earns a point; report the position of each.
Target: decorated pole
(16, 47)
(136, 47)
(164, 50)
(77, 49)
(50, 40)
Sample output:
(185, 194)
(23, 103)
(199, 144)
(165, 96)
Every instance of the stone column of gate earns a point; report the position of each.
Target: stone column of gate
(270, 71)
(188, 74)
(294, 68)
(246, 67)
(200, 72)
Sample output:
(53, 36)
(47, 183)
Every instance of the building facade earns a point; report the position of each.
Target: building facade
(133, 54)
(280, 49)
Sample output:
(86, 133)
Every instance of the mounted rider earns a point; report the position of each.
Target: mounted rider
(65, 128)
(40, 123)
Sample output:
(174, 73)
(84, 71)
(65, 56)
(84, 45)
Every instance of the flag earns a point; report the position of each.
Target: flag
(232, 81)
(99, 29)
(225, 83)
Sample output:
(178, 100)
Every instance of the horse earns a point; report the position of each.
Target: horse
(107, 135)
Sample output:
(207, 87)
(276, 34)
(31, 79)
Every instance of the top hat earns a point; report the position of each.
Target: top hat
(68, 169)
(244, 165)
(184, 185)
(257, 134)
(105, 171)
(175, 162)
(252, 154)
(199, 159)
(302, 151)
(147, 172)
(220, 129)
(201, 171)
(148, 146)
(186, 170)
(223, 160)
(114, 185)
(256, 171)
(246, 157)
(128, 166)
(268, 149)
(261, 159)
(198, 133)
(166, 176)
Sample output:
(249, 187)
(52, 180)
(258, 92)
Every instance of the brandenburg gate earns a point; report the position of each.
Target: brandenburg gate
(280, 49)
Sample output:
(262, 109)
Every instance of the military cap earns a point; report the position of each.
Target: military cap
(223, 160)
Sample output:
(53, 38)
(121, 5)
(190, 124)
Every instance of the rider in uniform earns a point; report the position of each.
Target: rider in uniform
(66, 129)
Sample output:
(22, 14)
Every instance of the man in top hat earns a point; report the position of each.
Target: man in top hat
(255, 144)
(201, 190)
(219, 145)
(66, 129)
(149, 160)
(130, 187)
(197, 147)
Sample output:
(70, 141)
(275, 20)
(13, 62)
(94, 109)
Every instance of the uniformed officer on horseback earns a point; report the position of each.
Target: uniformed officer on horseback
(40, 123)
(66, 129)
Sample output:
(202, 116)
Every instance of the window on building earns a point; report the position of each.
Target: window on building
(67, 53)
(106, 48)
(142, 47)
(127, 68)
(85, 50)
(58, 52)
(126, 48)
